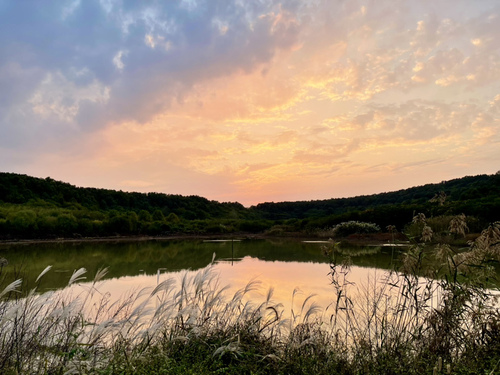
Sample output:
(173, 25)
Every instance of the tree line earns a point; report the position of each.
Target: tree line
(45, 208)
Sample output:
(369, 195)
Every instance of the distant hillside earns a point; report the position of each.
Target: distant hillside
(474, 194)
(44, 208)
(20, 189)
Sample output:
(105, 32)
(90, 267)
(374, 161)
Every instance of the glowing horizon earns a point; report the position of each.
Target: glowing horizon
(250, 102)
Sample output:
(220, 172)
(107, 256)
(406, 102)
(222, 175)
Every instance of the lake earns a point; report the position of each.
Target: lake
(287, 265)
(171, 290)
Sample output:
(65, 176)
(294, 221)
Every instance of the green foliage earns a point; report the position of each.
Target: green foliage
(23, 221)
(472, 195)
(145, 216)
(446, 322)
(158, 215)
(255, 226)
(44, 208)
(22, 189)
(219, 228)
(173, 218)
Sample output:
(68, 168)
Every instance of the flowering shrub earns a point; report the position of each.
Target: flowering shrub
(353, 227)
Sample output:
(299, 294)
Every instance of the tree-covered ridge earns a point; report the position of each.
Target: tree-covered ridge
(44, 208)
(20, 189)
(484, 189)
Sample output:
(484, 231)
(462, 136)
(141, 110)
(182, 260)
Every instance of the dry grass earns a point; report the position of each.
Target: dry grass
(399, 323)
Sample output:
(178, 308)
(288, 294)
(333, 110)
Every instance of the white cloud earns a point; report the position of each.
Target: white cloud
(155, 41)
(149, 40)
(70, 8)
(57, 97)
(225, 89)
(117, 60)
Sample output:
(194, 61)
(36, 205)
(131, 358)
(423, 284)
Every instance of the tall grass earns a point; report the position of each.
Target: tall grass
(432, 315)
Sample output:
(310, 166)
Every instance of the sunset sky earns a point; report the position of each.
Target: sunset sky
(250, 101)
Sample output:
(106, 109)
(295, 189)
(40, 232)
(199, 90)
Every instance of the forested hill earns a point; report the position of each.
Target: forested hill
(476, 195)
(44, 208)
(21, 189)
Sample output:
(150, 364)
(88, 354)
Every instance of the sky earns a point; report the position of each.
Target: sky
(250, 100)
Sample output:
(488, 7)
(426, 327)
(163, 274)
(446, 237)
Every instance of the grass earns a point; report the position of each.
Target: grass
(445, 323)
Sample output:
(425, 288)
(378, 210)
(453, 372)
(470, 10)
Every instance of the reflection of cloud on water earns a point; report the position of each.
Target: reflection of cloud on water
(284, 277)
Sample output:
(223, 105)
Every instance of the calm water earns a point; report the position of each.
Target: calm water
(282, 264)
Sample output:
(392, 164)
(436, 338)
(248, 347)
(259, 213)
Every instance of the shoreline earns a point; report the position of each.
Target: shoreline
(371, 239)
(117, 239)
(378, 239)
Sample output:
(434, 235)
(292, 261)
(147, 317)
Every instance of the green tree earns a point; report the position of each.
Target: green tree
(66, 224)
(173, 218)
(23, 222)
(158, 215)
(145, 216)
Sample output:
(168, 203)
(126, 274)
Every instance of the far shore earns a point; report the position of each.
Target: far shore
(359, 239)
(128, 238)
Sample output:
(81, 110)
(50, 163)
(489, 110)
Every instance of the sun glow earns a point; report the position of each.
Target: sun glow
(255, 103)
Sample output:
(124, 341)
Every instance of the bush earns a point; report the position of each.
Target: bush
(23, 221)
(66, 224)
(354, 227)
(255, 226)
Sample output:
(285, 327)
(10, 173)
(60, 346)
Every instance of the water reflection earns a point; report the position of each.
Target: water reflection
(293, 270)
(147, 257)
(292, 282)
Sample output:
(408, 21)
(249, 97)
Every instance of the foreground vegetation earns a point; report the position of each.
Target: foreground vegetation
(445, 323)
(33, 208)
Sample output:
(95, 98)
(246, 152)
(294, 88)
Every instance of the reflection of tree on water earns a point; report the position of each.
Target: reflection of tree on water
(145, 257)
(3, 262)
(171, 251)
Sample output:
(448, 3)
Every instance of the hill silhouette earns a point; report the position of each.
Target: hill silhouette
(33, 207)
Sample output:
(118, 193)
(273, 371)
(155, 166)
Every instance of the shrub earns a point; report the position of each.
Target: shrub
(254, 226)
(23, 221)
(354, 227)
